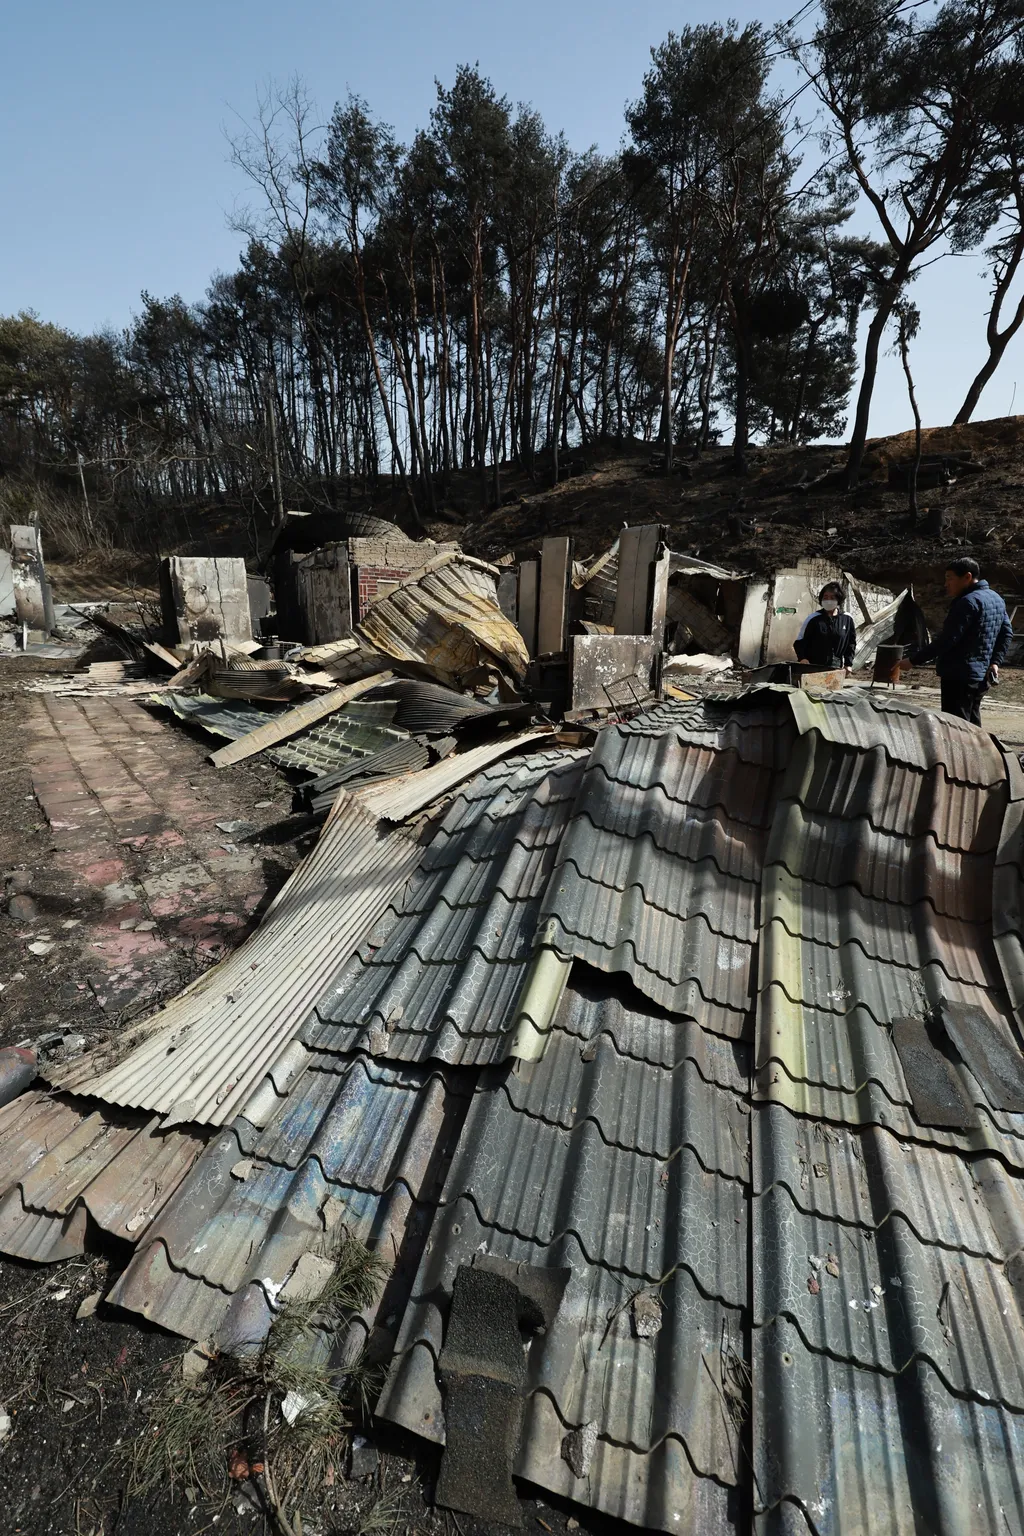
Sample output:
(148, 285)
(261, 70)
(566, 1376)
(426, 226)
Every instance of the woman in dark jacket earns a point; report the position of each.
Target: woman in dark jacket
(829, 637)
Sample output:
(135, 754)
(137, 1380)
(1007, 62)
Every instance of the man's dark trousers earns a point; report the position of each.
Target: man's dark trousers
(962, 697)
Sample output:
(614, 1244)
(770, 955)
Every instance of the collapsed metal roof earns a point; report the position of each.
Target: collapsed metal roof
(446, 617)
(776, 1133)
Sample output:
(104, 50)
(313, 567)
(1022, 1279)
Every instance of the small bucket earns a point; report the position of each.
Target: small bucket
(887, 664)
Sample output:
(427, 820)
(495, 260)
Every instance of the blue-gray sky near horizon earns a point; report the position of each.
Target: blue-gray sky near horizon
(115, 173)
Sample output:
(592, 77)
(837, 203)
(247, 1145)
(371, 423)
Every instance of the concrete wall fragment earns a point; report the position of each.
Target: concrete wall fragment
(205, 599)
(6, 586)
(33, 604)
(612, 670)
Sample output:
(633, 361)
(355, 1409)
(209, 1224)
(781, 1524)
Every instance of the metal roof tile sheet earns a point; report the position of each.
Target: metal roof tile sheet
(600, 1157)
(200, 1058)
(916, 737)
(1008, 889)
(883, 1299)
(658, 1447)
(351, 1147)
(661, 886)
(61, 1161)
(863, 1452)
(334, 742)
(866, 1176)
(440, 978)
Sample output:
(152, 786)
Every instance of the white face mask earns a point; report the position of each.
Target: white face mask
(830, 604)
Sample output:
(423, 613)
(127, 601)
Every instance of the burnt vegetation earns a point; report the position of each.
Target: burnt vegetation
(432, 328)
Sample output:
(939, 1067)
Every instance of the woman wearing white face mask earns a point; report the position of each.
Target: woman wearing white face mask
(828, 638)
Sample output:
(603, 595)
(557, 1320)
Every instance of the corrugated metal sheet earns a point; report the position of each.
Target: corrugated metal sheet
(836, 1343)
(1008, 889)
(658, 873)
(440, 979)
(62, 1163)
(350, 1149)
(633, 1175)
(334, 742)
(427, 708)
(888, 1373)
(218, 716)
(200, 1058)
(862, 926)
(403, 797)
(447, 618)
(910, 735)
(401, 757)
(864, 1452)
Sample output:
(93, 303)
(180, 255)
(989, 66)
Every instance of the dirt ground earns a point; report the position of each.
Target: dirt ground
(80, 1392)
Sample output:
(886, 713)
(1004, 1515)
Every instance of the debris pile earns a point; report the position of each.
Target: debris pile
(665, 1049)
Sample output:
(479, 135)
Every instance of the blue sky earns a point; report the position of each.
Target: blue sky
(115, 173)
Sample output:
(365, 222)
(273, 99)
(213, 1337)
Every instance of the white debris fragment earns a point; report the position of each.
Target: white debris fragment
(646, 1315)
(61, 1295)
(41, 946)
(194, 1362)
(814, 1260)
(294, 1406)
(6, 1425)
(578, 1449)
(241, 1169)
(87, 1307)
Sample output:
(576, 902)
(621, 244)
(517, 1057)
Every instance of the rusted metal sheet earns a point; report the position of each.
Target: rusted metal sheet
(63, 1163)
(205, 599)
(607, 668)
(199, 1059)
(446, 617)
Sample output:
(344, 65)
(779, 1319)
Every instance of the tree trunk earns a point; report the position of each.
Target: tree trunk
(912, 484)
(879, 321)
(998, 340)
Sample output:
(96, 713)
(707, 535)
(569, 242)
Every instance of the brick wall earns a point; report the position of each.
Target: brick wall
(380, 563)
(374, 580)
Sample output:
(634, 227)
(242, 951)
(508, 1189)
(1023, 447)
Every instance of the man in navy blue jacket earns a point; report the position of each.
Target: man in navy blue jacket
(972, 643)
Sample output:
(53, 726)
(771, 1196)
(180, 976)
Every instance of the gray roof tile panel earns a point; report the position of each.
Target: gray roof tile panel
(628, 1211)
(597, 1007)
(624, 1155)
(864, 1177)
(591, 1364)
(883, 1299)
(916, 737)
(352, 1145)
(439, 980)
(1008, 890)
(863, 1452)
(662, 887)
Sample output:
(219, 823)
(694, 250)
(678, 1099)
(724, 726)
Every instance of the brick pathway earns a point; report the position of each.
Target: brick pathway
(135, 825)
